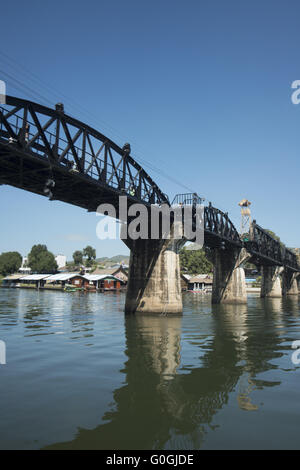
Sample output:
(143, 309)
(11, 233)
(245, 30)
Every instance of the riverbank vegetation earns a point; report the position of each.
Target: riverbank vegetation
(10, 262)
(194, 261)
(40, 260)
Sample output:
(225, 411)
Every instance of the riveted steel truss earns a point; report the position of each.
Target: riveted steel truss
(37, 141)
(47, 152)
(267, 250)
(219, 229)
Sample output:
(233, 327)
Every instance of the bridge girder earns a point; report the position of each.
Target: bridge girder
(266, 250)
(39, 144)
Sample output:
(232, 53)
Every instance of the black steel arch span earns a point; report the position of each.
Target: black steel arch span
(267, 250)
(219, 230)
(38, 143)
(39, 146)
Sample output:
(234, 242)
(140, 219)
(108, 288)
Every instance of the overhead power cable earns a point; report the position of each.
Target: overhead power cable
(50, 89)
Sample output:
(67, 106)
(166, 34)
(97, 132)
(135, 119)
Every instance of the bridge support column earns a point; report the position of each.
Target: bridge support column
(289, 282)
(229, 285)
(154, 284)
(298, 282)
(270, 282)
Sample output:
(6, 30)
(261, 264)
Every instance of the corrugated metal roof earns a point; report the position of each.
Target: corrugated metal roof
(200, 279)
(35, 277)
(13, 277)
(105, 271)
(62, 277)
(99, 277)
(111, 271)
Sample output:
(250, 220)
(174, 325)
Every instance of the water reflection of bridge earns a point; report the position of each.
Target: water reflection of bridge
(168, 404)
(49, 153)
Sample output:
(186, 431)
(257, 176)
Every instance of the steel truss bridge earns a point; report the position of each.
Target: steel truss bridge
(47, 152)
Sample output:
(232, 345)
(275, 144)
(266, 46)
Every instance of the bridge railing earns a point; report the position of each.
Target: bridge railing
(262, 244)
(218, 228)
(32, 131)
(290, 259)
(68, 143)
(265, 248)
(217, 223)
(187, 199)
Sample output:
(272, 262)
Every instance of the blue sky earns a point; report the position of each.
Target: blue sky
(201, 90)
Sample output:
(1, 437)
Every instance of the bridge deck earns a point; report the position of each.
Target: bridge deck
(50, 153)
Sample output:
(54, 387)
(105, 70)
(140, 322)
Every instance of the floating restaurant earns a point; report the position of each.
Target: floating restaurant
(60, 281)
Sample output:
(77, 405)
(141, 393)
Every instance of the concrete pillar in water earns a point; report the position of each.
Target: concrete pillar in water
(270, 281)
(154, 284)
(289, 282)
(229, 285)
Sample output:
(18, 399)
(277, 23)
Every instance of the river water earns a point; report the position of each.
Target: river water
(81, 375)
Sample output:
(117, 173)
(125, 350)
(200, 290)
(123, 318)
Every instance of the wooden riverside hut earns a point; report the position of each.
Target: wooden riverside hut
(118, 272)
(200, 283)
(63, 279)
(33, 280)
(102, 282)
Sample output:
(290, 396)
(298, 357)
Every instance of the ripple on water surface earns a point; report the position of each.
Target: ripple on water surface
(81, 374)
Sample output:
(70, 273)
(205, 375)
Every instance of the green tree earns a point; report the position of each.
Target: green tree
(78, 257)
(10, 262)
(194, 261)
(90, 254)
(41, 260)
(270, 232)
(273, 235)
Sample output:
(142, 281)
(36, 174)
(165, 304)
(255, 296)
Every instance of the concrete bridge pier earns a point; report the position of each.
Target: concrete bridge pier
(229, 285)
(298, 282)
(154, 284)
(270, 281)
(289, 282)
